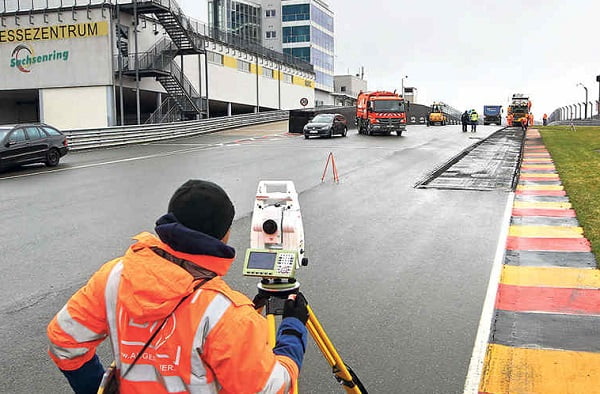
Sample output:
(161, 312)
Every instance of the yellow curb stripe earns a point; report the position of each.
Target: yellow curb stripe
(517, 370)
(542, 205)
(529, 174)
(573, 278)
(546, 231)
(540, 187)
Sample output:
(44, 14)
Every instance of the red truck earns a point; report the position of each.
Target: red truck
(380, 113)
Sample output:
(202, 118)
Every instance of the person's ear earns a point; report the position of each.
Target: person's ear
(225, 238)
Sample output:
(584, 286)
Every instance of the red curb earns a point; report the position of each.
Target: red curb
(548, 244)
(541, 192)
(531, 167)
(548, 299)
(561, 213)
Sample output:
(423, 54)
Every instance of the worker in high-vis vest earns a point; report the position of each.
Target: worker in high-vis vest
(175, 326)
(474, 117)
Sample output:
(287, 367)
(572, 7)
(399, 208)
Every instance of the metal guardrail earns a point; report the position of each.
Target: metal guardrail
(576, 122)
(126, 135)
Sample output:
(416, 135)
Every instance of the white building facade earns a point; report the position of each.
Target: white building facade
(91, 64)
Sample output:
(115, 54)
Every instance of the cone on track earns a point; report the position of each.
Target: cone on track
(336, 178)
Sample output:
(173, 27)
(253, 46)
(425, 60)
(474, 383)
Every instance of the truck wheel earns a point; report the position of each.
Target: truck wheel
(369, 129)
(399, 133)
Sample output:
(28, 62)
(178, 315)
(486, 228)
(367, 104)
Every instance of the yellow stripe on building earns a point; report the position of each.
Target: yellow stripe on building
(546, 231)
(530, 174)
(229, 61)
(306, 83)
(540, 187)
(551, 277)
(54, 32)
(517, 370)
(541, 205)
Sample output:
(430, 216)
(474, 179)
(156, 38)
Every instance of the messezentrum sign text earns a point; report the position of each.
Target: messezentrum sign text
(56, 32)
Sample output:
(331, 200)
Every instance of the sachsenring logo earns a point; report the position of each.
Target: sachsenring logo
(17, 55)
(23, 57)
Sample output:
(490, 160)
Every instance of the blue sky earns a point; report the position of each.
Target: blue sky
(469, 53)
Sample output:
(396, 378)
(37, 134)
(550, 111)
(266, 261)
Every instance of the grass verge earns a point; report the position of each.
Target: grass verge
(576, 155)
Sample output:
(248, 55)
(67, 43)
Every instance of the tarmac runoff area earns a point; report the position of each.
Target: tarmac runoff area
(545, 326)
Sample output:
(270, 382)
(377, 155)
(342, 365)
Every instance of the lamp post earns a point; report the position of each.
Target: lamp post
(404, 77)
(598, 80)
(586, 99)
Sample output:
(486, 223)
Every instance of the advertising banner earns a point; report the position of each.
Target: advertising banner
(45, 52)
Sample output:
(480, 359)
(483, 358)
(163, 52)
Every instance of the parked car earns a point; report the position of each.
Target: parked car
(31, 143)
(326, 125)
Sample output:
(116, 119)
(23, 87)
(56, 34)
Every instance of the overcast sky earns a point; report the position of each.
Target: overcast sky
(469, 53)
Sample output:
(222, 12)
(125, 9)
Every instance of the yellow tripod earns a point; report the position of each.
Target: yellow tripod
(342, 373)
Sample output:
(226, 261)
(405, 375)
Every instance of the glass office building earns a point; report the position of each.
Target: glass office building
(241, 18)
(307, 33)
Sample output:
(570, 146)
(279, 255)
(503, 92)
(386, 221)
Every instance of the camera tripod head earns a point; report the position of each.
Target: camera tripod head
(276, 237)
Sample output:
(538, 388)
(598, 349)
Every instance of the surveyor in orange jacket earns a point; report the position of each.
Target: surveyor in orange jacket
(509, 119)
(175, 326)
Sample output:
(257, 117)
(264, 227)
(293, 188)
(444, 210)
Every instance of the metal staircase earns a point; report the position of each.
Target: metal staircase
(178, 26)
(158, 62)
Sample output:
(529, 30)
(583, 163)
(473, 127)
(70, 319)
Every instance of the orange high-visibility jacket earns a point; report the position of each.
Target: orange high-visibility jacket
(214, 342)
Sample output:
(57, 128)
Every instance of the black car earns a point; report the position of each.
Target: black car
(326, 125)
(31, 143)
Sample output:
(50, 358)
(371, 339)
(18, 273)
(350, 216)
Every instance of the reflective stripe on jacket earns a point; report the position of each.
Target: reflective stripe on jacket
(215, 342)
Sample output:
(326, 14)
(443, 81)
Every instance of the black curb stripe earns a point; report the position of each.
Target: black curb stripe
(526, 258)
(547, 331)
(524, 197)
(544, 221)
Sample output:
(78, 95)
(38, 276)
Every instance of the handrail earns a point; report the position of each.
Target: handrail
(125, 135)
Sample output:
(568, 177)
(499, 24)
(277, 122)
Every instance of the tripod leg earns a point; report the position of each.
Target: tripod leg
(272, 330)
(330, 353)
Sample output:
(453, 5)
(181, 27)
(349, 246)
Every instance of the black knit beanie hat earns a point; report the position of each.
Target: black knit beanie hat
(203, 206)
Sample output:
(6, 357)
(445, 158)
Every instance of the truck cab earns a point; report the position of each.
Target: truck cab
(380, 112)
(492, 114)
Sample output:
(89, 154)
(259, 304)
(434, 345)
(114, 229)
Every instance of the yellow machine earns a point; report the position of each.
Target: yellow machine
(437, 115)
(518, 110)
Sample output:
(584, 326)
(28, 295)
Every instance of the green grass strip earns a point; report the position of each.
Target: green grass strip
(576, 155)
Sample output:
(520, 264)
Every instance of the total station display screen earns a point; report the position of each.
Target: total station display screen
(262, 260)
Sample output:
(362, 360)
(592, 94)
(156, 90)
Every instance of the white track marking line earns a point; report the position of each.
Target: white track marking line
(104, 163)
(487, 313)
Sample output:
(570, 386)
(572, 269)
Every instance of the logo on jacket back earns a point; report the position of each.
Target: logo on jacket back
(23, 57)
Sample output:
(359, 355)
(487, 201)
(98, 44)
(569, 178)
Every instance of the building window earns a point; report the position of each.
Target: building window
(321, 18)
(287, 78)
(272, 34)
(322, 39)
(270, 13)
(298, 12)
(215, 58)
(342, 89)
(296, 34)
(267, 72)
(243, 66)
(302, 53)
